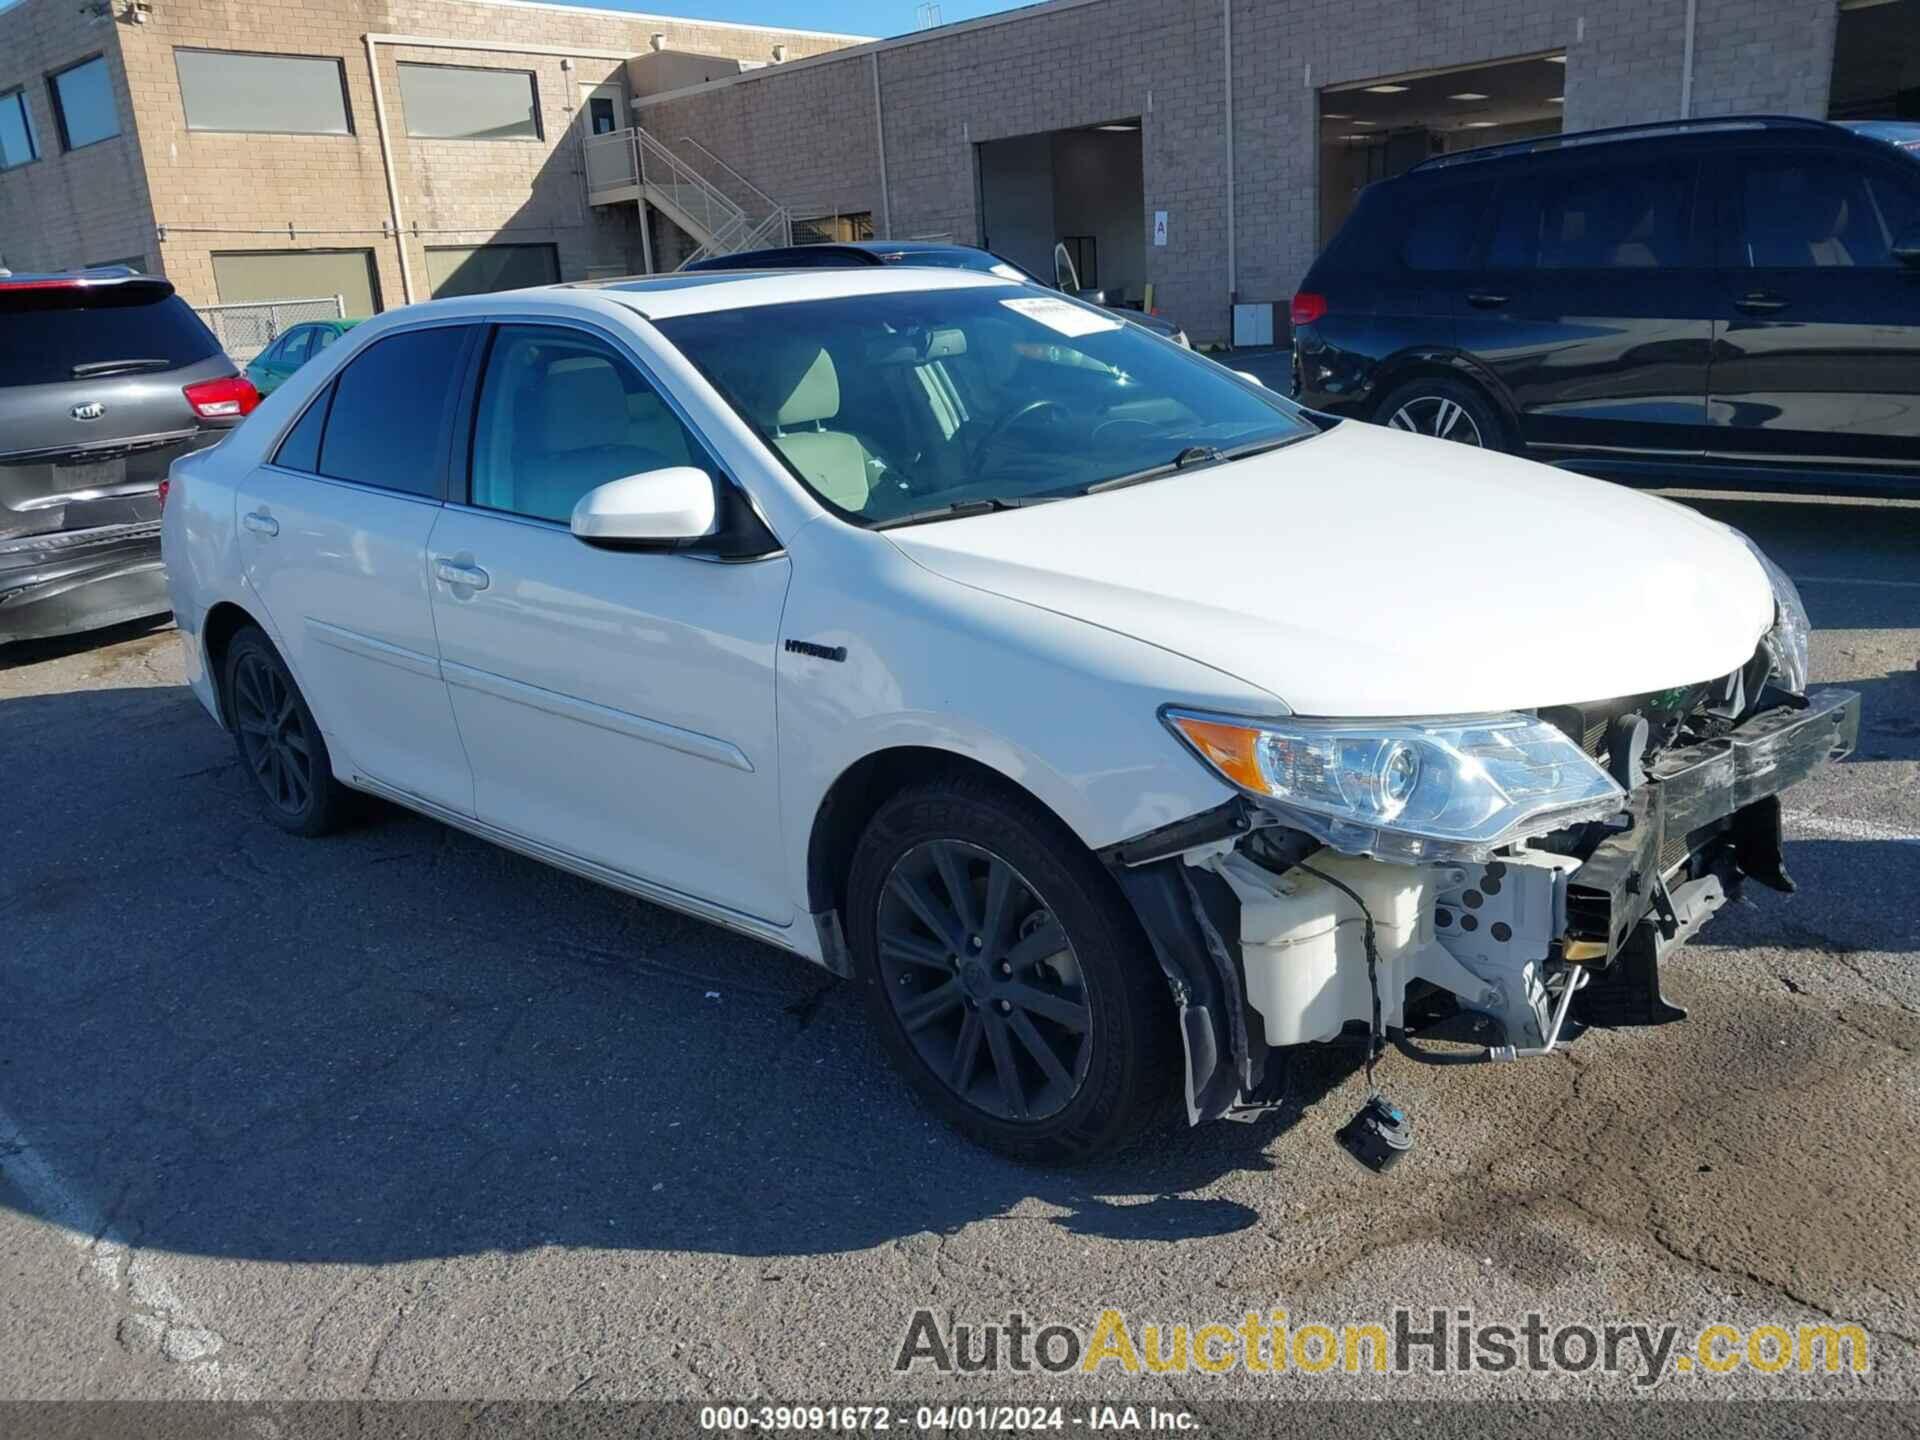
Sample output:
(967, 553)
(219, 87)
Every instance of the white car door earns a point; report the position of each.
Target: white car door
(616, 705)
(333, 538)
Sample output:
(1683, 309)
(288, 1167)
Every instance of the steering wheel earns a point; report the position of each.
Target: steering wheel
(998, 431)
(1114, 432)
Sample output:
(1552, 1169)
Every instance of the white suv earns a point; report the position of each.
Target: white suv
(1081, 699)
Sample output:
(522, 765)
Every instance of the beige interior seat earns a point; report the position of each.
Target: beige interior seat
(802, 397)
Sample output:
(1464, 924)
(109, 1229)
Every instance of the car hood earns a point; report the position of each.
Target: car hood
(1366, 572)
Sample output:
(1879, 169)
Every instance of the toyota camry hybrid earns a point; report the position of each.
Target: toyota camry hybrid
(1116, 725)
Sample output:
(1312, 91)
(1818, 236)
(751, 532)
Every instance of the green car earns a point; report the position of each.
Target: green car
(292, 350)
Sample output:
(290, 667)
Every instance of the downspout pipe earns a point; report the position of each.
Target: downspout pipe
(880, 144)
(1233, 275)
(386, 160)
(1686, 63)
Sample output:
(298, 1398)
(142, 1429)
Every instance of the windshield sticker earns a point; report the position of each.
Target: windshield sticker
(1058, 315)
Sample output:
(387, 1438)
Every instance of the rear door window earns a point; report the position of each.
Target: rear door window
(388, 423)
(1442, 231)
(1628, 217)
(1818, 212)
(57, 335)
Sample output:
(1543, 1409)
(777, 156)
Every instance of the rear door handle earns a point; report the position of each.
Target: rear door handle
(472, 576)
(1486, 300)
(1759, 302)
(260, 523)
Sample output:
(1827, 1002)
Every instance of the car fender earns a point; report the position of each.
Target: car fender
(879, 653)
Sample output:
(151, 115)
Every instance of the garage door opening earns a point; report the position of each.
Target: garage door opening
(1374, 129)
(1876, 61)
(1084, 189)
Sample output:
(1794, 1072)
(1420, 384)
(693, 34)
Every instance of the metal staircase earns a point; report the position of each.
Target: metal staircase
(626, 166)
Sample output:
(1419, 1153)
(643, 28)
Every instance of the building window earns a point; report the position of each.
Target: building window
(831, 229)
(83, 104)
(482, 269)
(262, 94)
(453, 102)
(16, 131)
(257, 276)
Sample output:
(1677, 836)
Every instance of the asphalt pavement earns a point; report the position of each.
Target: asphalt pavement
(398, 1114)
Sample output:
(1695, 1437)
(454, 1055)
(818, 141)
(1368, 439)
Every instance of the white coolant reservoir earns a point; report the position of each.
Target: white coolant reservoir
(1302, 941)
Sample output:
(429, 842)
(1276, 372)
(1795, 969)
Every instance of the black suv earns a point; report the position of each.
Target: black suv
(106, 376)
(1737, 299)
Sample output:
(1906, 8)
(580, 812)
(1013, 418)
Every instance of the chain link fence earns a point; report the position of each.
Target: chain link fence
(244, 330)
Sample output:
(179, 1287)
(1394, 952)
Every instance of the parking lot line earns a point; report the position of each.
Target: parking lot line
(153, 1316)
(1850, 829)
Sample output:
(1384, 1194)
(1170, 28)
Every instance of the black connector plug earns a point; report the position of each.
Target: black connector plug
(1378, 1136)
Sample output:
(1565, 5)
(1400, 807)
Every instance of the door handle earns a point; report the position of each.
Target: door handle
(1485, 300)
(260, 523)
(1760, 302)
(472, 576)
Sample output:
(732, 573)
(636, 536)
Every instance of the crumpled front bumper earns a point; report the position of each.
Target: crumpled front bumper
(1707, 818)
(72, 580)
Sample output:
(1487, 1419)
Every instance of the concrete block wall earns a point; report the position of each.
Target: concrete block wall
(82, 208)
(1080, 62)
(213, 192)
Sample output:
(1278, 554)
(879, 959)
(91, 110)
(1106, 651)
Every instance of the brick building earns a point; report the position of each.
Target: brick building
(243, 151)
(1194, 153)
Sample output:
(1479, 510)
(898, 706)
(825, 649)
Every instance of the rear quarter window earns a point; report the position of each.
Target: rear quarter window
(1442, 227)
(50, 333)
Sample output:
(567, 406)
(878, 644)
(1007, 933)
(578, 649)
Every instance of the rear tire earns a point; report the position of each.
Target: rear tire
(279, 742)
(1444, 409)
(1007, 978)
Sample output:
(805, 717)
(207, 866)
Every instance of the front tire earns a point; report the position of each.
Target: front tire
(1005, 975)
(1443, 409)
(279, 742)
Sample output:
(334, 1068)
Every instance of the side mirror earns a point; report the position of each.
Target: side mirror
(654, 510)
(1092, 297)
(1251, 378)
(1906, 249)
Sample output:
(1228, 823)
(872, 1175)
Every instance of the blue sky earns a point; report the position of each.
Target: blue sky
(854, 17)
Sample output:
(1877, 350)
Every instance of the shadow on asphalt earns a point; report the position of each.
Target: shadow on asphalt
(400, 1042)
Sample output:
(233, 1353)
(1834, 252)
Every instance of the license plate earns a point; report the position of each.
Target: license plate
(95, 475)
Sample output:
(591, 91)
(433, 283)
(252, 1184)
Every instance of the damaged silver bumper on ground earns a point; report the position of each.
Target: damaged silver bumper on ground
(1263, 956)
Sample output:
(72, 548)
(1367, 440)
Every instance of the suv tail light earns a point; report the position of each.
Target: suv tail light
(1307, 307)
(161, 490)
(226, 399)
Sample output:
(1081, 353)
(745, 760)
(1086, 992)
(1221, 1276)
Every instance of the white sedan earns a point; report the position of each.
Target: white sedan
(1101, 714)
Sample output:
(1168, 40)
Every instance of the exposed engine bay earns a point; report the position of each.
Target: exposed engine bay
(1274, 938)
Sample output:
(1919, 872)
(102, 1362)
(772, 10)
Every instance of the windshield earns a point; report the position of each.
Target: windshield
(889, 406)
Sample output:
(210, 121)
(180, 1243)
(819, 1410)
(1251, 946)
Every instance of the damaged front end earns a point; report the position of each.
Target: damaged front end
(1279, 926)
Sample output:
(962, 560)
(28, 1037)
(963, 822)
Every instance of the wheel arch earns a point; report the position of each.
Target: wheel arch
(859, 790)
(1439, 364)
(221, 623)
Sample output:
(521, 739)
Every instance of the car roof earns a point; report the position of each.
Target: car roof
(1718, 129)
(661, 297)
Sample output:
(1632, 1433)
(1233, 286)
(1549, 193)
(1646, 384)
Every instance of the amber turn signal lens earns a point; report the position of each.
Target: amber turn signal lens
(1229, 748)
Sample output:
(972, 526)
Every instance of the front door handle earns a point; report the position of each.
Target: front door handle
(261, 523)
(1486, 300)
(1760, 302)
(472, 576)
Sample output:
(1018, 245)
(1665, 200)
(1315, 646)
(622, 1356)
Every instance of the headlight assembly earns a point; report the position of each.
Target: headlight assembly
(1786, 642)
(1407, 790)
